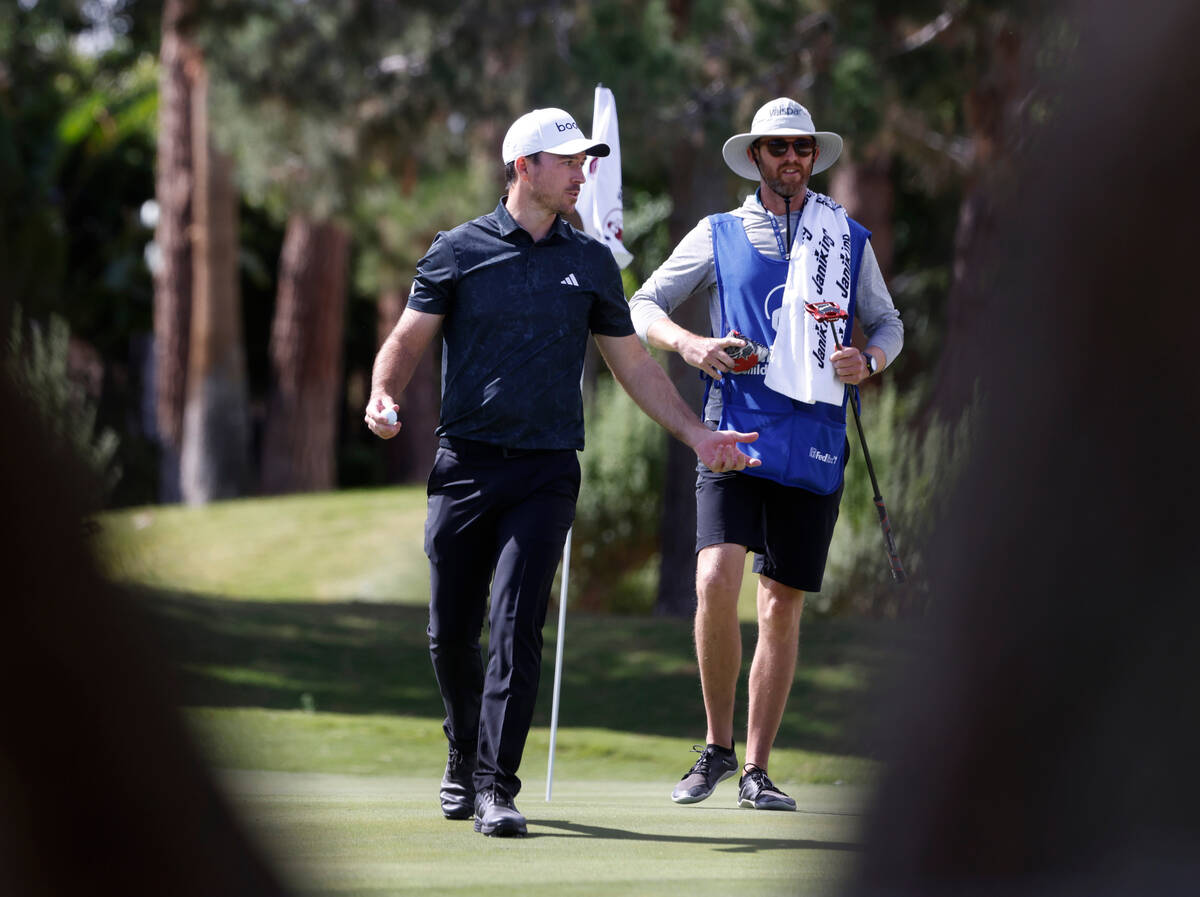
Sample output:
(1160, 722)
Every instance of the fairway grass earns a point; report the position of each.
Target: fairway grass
(380, 745)
(352, 835)
(346, 545)
(295, 629)
(365, 544)
(346, 804)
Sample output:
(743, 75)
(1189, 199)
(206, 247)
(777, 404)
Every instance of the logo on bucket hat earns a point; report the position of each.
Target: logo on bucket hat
(782, 108)
(550, 131)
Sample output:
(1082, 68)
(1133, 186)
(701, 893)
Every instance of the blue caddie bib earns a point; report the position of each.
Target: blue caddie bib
(799, 444)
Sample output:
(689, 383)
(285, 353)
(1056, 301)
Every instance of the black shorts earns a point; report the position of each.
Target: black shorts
(787, 527)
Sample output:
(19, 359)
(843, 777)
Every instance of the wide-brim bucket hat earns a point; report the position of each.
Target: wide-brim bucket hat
(781, 117)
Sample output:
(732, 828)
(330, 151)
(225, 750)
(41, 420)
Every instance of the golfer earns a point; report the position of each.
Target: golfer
(756, 267)
(515, 294)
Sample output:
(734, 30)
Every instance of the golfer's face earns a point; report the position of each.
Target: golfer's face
(786, 163)
(555, 181)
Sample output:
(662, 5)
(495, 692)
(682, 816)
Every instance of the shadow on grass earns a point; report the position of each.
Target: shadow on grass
(725, 844)
(631, 674)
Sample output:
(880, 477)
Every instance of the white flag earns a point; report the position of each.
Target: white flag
(600, 204)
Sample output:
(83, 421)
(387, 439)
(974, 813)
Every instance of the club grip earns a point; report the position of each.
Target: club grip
(893, 556)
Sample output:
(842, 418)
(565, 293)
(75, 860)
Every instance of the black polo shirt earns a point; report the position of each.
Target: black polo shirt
(517, 319)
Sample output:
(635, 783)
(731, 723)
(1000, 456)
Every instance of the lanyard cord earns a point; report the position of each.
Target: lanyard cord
(787, 213)
(785, 249)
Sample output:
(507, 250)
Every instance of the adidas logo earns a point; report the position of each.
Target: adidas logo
(570, 280)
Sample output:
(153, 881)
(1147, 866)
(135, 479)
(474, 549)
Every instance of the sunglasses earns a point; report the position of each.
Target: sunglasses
(778, 146)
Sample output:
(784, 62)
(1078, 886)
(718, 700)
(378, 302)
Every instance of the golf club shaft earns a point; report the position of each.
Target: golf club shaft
(885, 523)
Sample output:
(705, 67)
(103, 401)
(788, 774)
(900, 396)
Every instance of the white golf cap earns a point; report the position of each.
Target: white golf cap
(781, 117)
(548, 131)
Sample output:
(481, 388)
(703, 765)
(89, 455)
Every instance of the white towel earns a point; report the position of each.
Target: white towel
(600, 204)
(819, 270)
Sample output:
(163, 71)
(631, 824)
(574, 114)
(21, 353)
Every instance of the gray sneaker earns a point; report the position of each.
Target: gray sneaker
(716, 764)
(757, 792)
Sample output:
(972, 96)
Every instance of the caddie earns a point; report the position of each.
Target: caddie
(771, 368)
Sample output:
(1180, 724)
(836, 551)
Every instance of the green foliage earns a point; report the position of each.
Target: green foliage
(76, 162)
(37, 362)
(391, 115)
(646, 216)
(620, 504)
(323, 102)
(917, 471)
(858, 92)
(77, 149)
(399, 225)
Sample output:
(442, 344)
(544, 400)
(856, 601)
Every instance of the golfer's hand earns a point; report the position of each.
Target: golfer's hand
(849, 366)
(708, 353)
(376, 416)
(719, 452)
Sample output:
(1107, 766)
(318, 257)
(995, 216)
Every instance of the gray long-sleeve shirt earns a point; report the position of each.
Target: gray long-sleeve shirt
(690, 271)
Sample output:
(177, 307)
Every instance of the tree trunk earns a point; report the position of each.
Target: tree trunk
(214, 460)
(864, 187)
(173, 273)
(696, 193)
(300, 433)
(409, 456)
(993, 109)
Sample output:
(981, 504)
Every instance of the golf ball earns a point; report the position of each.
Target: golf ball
(390, 414)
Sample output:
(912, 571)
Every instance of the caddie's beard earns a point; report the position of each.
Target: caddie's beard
(785, 190)
(778, 187)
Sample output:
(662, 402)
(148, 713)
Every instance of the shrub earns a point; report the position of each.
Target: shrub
(916, 469)
(617, 521)
(37, 364)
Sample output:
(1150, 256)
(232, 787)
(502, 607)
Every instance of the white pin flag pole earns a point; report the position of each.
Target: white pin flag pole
(558, 660)
(601, 210)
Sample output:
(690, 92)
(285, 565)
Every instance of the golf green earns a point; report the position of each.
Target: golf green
(372, 835)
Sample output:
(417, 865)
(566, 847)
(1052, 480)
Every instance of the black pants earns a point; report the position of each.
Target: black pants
(497, 517)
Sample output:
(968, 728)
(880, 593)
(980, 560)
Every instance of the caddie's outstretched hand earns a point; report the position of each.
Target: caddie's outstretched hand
(719, 451)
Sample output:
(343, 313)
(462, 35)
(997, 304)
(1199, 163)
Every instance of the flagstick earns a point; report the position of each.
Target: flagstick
(558, 660)
(594, 227)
